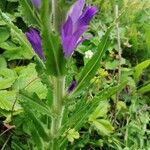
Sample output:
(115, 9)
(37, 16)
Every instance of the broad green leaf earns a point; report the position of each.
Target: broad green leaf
(13, 51)
(7, 78)
(91, 67)
(28, 80)
(18, 33)
(101, 111)
(4, 34)
(29, 14)
(139, 69)
(103, 126)
(3, 63)
(18, 53)
(7, 99)
(144, 89)
(51, 43)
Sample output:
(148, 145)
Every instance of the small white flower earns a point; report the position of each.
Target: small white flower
(88, 54)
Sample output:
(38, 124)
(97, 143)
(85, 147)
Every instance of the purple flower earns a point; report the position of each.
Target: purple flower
(72, 86)
(36, 3)
(76, 24)
(34, 38)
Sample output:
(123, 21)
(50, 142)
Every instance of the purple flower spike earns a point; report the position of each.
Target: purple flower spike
(36, 3)
(75, 25)
(34, 38)
(72, 86)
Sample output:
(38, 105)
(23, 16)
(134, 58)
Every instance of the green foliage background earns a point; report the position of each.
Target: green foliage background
(112, 121)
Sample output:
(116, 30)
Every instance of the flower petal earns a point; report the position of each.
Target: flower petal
(72, 86)
(76, 10)
(87, 16)
(82, 39)
(67, 28)
(36, 3)
(36, 42)
(71, 42)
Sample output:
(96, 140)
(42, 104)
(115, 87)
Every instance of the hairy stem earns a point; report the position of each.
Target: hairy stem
(58, 94)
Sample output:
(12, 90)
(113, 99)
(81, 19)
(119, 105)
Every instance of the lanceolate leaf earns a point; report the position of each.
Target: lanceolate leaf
(90, 69)
(28, 13)
(51, 43)
(139, 69)
(37, 139)
(37, 103)
(37, 123)
(144, 89)
(84, 108)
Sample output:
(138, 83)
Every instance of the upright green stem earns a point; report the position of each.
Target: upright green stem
(58, 15)
(54, 13)
(58, 94)
(120, 57)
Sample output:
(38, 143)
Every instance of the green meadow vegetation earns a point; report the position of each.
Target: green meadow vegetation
(63, 90)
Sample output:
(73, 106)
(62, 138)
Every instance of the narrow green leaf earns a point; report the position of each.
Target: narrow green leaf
(139, 69)
(84, 108)
(134, 37)
(36, 102)
(16, 146)
(37, 139)
(144, 89)
(91, 67)
(37, 123)
(28, 13)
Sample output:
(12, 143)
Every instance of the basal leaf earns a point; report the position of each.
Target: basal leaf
(7, 78)
(7, 99)
(28, 80)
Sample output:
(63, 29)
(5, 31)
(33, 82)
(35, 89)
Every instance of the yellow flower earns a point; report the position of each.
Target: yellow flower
(72, 135)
